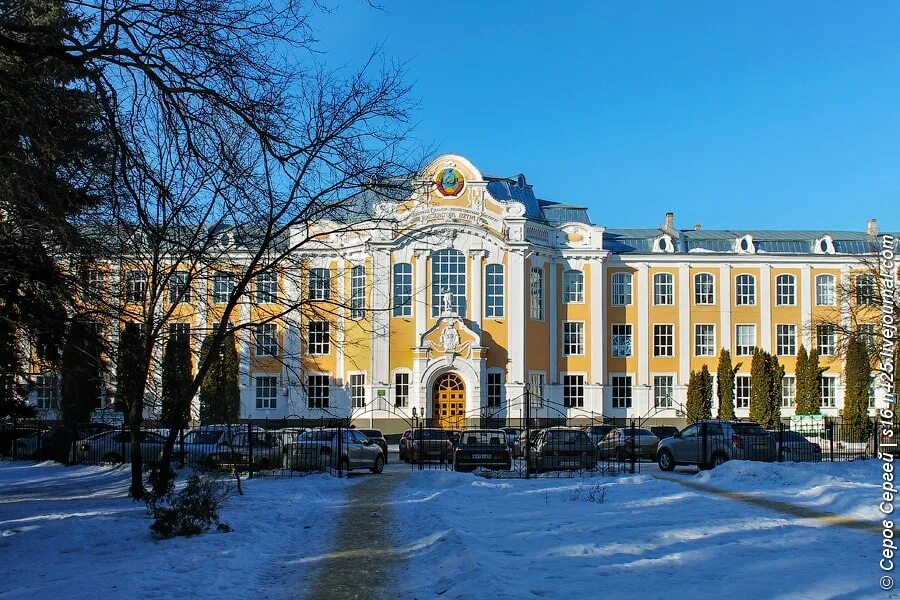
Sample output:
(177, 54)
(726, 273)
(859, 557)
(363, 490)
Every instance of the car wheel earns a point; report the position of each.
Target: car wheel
(665, 460)
(621, 454)
(719, 458)
(378, 467)
(112, 457)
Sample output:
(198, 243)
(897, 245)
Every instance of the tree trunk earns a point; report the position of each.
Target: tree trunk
(135, 418)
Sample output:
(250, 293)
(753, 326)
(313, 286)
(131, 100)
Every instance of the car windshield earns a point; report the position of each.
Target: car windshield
(317, 435)
(792, 436)
(483, 438)
(567, 437)
(259, 439)
(203, 437)
(748, 429)
(371, 433)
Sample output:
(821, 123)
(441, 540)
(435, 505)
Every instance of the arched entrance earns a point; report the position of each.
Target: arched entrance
(449, 401)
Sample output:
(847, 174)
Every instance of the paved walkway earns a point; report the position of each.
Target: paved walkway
(361, 562)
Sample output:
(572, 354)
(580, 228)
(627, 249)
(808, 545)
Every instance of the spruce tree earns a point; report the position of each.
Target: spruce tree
(857, 372)
(760, 387)
(803, 397)
(12, 394)
(706, 393)
(220, 397)
(776, 381)
(82, 372)
(177, 377)
(694, 407)
(725, 385)
(814, 376)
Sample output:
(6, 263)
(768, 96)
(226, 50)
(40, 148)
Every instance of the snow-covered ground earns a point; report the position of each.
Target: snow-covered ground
(71, 532)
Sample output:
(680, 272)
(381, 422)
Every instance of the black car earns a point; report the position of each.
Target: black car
(376, 436)
(485, 448)
(664, 431)
(430, 444)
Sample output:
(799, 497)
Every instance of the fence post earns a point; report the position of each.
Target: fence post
(704, 444)
(875, 436)
(249, 449)
(527, 413)
(829, 430)
(181, 445)
(15, 438)
(780, 442)
(633, 448)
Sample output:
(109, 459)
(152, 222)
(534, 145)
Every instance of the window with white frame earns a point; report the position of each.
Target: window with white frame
(223, 287)
(94, 285)
(868, 336)
(785, 290)
(573, 391)
(494, 388)
(266, 391)
(403, 289)
(704, 289)
(401, 389)
(318, 391)
(448, 275)
(742, 391)
(663, 391)
(319, 340)
(573, 338)
(358, 390)
(267, 339)
(357, 292)
(744, 340)
(179, 291)
(826, 340)
(621, 289)
(621, 339)
(46, 391)
(267, 288)
(865, 290)
(828, 388)
(135, 286)
(786, 340)
(663, 340)
(788, 391)
(826, 294)
(537, 293)
(745, 290)
(663, 289)
(536, 383)
(320, 284)
(621, 391)
(493, 291)
(573, 287)
(180, 330)
(704, 340)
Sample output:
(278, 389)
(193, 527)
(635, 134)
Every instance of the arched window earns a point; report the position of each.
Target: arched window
(403, 288)
(785, 290)
(745, 289)
(621, 289)
(663, 289)
(493, 291)
(825, 290)
(448, 274)
(704, 288)
(573, 287)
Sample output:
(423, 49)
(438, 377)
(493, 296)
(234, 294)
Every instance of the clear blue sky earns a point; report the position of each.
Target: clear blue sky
(763, 115)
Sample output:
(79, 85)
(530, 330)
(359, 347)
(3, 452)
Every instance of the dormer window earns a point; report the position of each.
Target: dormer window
(745, 245)
(824, 245)
(664, 244)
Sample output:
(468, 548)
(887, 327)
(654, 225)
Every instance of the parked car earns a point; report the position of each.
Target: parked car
(404, 444)
(13, 440)
(710, 443)
(796, 448)
(486, 448)
(229, 445)
(624, 442)
(512, 436)
(325, 448)
(663, 431)
(430, 444)
(559, 448)
(115, 447)
(375, 435)
(56, 443)
(526, 437)
(598, 432)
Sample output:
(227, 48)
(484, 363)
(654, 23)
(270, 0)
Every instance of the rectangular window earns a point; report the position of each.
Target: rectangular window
(621, 340)
(621, 289)
(573, 391)
(621, 391)
(704, 340)
(825, 290)
(266, 391)
(663, 391)
(494, 388)
(357, 293)
(267, 288)
(266, 339)
(828, 387)
(403, 289)
(358, 390)
(493, 291)
(318, 391)
(785, 290)
(663, 340)
(180, 329)
(179, 291)
(319, 340)
(573, 287)
(537, 294)
(401, 389)
(319, 284)
(95, 285)
(46, 388)
(742, 391)
(663, 289)
(536, 381)
(223, 287)
(788, 391)
(573, 338)
(826, 340)
(135, 286)
(704, 289)
(865, 290)
(745, 340)
(745, 288)
(786, 340)
(868, 336)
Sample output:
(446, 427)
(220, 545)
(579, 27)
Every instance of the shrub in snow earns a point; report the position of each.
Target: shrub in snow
(595, 494)
(190, 511)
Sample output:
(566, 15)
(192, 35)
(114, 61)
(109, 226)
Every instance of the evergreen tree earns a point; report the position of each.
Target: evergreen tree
(760, 387)
(725, 385)
(776, 382)
(220, 398)
(706, 393)
(82, 372)
(803, 397)
(694, 407)
(177, 377)
(12, 396)
(857, 372)
(814, 376)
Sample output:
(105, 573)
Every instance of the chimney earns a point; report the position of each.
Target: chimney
(670, 221)
(872, 227)
(697, 227)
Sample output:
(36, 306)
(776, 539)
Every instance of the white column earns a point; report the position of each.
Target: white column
(476, 310)
(246, 341)
(381, 300)
(725, 306)
(516, 323)
(765, 308)
(598, 326)
(685, 332)
(641, 293)
(553, 321)
(420, 290)
(806, 296)
(343, 267)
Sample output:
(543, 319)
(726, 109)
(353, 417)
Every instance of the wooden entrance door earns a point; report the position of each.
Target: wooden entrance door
(450, 401)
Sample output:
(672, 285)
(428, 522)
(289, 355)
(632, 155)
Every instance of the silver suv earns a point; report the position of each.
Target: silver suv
(710, 443)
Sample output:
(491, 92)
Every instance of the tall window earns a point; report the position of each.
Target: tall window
(704, 289)
(401, 389)
(95, 285)
(828, 387)
(786, 340)
(621, 289)
(621, 391)
(319, 284)
(266, 391)
(663, 340)
(179, 291)
(868, 336)
(267, 339)
(267, 288)
(493, 291)
(663, 289)
(573, 287)
(46, 391)
(826, 340)
(358, 390)
(742, 391)
(785, 290)
(745, 340)
(704, 340)
(573, 391)
(318, 391)
(135, 286)
(745, 287)
(573, 338)
(448, 275)
(180, 330)
(403, 289)
(865, 290)
(357, 292)
(319, 337)
(788, 391)
(536, 381)
(223, 287)
(825, 290)
(663, 391)
(494, 388)
(621, 339)
(537, 293)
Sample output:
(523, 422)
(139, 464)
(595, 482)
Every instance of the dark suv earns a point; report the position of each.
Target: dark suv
(430, 445)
